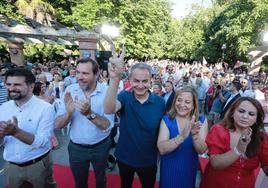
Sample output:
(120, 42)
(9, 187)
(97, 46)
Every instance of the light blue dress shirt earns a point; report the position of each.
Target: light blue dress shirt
(83, 131)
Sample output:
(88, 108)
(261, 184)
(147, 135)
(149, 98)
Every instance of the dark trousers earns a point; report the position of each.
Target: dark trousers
(147, 175)
(80, 158)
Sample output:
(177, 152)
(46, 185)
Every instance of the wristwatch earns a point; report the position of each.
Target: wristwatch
(92, 116)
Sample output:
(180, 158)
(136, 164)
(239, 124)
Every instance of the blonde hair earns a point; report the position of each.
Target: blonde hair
(189, 89)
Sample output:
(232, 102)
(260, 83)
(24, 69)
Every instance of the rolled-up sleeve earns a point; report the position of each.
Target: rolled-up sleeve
(45, 127)
(110, 117)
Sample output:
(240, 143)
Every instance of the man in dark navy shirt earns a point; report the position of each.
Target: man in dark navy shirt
(140, 115)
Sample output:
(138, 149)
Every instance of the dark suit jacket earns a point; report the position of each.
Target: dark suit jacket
(169, 101)
(229, 104)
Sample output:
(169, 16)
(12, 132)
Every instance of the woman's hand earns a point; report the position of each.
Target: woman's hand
(244, 140)
(195, 128)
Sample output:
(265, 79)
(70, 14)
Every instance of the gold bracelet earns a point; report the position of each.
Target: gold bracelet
(175, 140)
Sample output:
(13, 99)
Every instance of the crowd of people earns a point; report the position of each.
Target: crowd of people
(168, 111)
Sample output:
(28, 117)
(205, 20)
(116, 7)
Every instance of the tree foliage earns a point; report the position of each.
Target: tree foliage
(149, 31)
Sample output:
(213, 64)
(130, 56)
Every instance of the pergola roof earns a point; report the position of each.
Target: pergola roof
(35, 32)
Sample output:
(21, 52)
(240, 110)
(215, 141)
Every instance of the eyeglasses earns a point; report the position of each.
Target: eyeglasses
(216, 83)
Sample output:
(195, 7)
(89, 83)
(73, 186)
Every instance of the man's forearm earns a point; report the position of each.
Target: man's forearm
(100, 121)
(63, 120)
(110, 97)
(24, 137)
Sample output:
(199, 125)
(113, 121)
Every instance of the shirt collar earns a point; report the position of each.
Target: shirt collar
(28, 103)
(151, 98)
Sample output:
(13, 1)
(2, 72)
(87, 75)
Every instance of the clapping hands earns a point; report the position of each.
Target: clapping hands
(9, 127)
(83, 106)
(193, 127)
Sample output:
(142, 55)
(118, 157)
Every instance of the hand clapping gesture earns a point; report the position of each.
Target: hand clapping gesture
(69, 103)
(83, 106)
(193, 128)
(9, 127)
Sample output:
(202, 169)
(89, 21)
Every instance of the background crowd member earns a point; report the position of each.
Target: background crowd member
(169, 72)
(255, 92)
(220, 96)
(210, 94)
(178, 147)
(201, 94)
(264, 104)
(140, 115)
(56, 87)
(90, 126)
(3, 89)
(104, 77)
(234, 89)
(26, 124)
(244, 86)
(237, 147)
(157, 88)
(40, 91)
(71, 79)
(169, 94)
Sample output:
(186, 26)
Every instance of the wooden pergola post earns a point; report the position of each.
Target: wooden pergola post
(88, 46)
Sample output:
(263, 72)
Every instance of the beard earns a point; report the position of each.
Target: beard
(14, 95)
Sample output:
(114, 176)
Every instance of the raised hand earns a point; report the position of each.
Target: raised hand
(116, 65)
(186, 130)
(69, 103)
(195, 128)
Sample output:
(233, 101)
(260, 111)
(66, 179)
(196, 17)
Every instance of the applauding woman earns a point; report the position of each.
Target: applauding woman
(237, 147)
(181, 137)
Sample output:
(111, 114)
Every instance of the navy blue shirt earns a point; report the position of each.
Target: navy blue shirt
(139, 125)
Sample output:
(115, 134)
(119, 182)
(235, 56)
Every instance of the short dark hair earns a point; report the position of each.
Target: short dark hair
(95, 65)
(256, 80)
(236, 84)
(23, 72)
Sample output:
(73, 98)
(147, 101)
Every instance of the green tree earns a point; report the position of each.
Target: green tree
(39, 10)
(143, 27)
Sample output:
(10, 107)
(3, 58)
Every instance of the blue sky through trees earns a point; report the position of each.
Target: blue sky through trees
(180, 7)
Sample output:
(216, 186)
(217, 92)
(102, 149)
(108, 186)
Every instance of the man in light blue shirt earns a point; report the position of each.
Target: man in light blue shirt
(82, 107)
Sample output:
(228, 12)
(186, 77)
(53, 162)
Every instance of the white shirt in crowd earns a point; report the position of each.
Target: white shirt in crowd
(36, 117)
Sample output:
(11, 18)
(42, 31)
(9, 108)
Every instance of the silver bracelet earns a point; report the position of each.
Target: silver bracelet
(237, 152)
